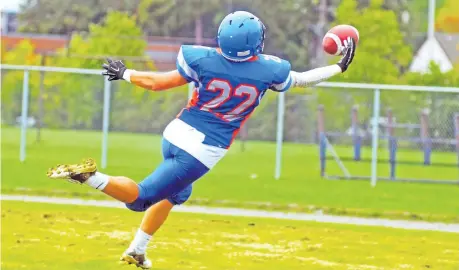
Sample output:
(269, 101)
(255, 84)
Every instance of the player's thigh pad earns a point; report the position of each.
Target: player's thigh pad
(182, 196)
(171, 180)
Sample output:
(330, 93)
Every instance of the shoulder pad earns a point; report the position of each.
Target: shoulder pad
(281, 69)
(187, 60)
(192, 53)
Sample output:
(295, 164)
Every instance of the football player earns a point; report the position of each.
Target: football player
(230, 82)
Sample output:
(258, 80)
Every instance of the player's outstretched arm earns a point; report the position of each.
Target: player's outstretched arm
(318, 75)
(156, 81)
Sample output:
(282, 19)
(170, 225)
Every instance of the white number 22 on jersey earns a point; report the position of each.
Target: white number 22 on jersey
(250, 93)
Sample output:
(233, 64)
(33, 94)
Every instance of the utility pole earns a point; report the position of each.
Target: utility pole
(40, 98)
(198, 31)
(321, 23)
(431, 20)
(229, 4)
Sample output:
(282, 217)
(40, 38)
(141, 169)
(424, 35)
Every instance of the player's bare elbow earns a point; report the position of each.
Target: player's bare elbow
(160, 86)
(154, 83)
(154, 86)
(157, 87)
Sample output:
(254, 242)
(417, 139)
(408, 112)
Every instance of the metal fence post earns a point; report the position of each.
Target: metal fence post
(375, 136)
(190, 90)
(456, 134)
(105, 122)
(24, 116)
(280, 133)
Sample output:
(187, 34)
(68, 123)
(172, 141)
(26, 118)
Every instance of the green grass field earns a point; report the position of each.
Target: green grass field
(242, 179)
(42, 236)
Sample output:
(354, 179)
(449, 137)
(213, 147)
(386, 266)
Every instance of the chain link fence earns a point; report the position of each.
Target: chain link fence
(75, 101)
(413, 127)
(417, 133)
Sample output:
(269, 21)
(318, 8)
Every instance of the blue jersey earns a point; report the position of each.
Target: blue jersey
(227, 92)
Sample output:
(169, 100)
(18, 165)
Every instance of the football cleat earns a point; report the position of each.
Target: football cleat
(75, 173)
(139, 260)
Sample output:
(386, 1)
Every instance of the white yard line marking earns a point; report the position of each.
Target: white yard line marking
(399, 224)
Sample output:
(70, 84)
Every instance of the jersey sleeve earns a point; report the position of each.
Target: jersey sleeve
(282, 80)
(187, 63)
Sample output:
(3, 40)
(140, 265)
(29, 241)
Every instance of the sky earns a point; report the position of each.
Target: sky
(10, 5)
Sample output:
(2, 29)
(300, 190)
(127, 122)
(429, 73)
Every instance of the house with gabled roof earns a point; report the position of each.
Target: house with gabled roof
(443, 49)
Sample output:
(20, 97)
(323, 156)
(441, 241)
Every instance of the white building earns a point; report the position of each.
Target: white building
(8, 15)
(443, 49)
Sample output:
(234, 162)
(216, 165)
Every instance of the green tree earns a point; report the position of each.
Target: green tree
(382, 53)
(381, 56)
(289, 29)
(12, 81)
(75, 101)
(442, 106)
(166, 17)
(67, 16)
(292, 24)
(419, 13)
(82, 106)
(448, 17)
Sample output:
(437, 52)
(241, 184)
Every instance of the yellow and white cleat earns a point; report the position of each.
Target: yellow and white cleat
(75, 173)
(139, 260)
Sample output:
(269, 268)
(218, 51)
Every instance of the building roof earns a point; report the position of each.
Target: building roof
(450, 44)
(48, 42)
(163, 50)
(430, 50)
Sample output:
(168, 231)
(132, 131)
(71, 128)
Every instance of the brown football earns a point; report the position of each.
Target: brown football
(333, 40)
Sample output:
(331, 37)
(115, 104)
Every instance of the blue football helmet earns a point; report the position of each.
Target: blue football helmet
(241, 36)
